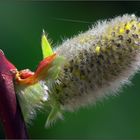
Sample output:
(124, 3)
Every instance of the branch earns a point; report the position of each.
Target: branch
(10, 113)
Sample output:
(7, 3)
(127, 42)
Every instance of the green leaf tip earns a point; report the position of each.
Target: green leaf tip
(53, 116)
(46, 47)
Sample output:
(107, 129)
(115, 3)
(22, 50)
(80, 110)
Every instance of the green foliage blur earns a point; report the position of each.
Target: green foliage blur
(21, 25)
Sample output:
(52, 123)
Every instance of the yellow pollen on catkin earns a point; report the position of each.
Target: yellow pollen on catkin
(128, 26)
(97, 49)
(82, 41)
(121, 31)
(138, 24)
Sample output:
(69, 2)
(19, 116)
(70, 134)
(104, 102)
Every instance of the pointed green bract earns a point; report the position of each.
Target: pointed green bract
(46, 47)
(53, 116)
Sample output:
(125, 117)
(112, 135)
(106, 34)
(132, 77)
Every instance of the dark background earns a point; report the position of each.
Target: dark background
(21, 25)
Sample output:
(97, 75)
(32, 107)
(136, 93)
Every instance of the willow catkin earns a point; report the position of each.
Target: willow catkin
(98, 62)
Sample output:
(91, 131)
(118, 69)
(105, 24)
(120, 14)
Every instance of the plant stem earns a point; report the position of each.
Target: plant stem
(10, 113)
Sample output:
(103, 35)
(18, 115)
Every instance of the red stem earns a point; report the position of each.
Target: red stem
(10, 113)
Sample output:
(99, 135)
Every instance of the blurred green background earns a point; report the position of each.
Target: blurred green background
(21, 25)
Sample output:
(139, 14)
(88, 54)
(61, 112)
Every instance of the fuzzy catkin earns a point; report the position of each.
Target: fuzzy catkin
(98, 62)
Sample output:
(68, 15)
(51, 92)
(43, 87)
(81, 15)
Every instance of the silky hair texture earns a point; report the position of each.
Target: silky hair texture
(97, 64)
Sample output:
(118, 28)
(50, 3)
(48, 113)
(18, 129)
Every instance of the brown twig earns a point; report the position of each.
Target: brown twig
(10, 113)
